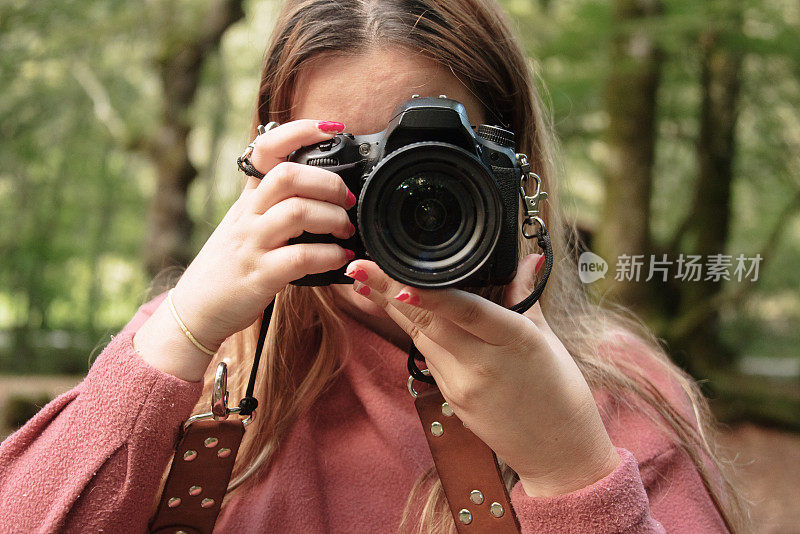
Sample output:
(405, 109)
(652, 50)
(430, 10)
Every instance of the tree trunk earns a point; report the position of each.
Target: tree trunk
(708, 226)
(635, 67)
(180, 64)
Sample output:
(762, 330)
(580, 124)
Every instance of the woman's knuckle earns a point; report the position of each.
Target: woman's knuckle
(334, 183)
(296, 210)
(415, 333)
(263, 142)
(463, 389)
(267, 144)
(469, 313)
(526, 337)
(342, 215)
(298, 257)
(484, 371)
(421, 318)
(285, 174)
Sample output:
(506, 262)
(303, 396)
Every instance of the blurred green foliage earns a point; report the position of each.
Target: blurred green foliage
(79, 90)
(78, 93)
(568, 42)
(18, 409)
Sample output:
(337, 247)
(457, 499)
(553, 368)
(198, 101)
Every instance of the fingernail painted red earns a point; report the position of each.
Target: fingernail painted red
(402, 296)
(364, 290)
(330, 126)
(349, 254)
(358, 274)
(352, 229)
(414, 300)
(351, 200)
(539, 264)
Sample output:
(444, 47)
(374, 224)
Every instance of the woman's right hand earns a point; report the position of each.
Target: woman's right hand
(247, 260)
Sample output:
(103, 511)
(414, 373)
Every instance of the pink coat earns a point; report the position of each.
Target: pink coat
(91, 460)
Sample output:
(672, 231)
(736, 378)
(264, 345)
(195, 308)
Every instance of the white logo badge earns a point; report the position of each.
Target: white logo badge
(591, 267)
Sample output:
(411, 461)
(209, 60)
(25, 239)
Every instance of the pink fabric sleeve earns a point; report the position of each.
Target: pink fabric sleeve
(664, 494)
(92, 459)
(616, 503)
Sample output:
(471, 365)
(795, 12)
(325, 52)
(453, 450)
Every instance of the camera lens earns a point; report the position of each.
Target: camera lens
(430, 214)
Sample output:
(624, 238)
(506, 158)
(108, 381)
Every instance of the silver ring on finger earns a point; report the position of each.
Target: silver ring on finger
(243, 161)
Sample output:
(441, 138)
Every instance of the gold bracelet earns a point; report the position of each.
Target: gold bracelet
(183, 326)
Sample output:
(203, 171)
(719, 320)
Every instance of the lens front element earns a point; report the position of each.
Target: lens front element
(433, 210)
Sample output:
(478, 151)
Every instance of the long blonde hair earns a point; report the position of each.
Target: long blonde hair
(473, 39)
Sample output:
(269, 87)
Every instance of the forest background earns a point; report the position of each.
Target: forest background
(679, 124)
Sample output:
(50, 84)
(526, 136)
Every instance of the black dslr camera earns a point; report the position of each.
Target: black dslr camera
(437, 203)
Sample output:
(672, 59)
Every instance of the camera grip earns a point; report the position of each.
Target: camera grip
(505, 257)
(351, 175)
(335, 276)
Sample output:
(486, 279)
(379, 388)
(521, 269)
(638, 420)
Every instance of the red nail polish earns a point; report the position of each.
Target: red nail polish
(351, 200)
(349, 254)
(539, 264)
(364, 290)
(414, 300)
(330, 126)
(402, 296)
(352, 229)
(358, 274)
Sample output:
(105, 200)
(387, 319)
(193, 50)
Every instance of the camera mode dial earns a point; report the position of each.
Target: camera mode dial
(497, 135)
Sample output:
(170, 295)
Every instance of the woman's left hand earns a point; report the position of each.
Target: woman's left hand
(506, 375)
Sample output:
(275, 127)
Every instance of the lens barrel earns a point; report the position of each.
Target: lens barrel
(430, 214)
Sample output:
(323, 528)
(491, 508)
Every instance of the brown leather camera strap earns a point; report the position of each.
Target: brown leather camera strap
(205, 454)
(198, 478)
(468, 469)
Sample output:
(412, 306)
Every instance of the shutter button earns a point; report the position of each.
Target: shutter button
(327, 145)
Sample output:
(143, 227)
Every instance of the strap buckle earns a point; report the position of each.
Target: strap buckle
(243, 161)
(531, 202)
(252, 146)
(219, 401)
(411, 379)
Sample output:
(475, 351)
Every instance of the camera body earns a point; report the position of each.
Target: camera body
(437, 202)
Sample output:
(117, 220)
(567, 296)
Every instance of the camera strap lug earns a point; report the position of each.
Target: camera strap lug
(531, 203)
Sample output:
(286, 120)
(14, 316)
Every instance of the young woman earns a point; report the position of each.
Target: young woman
(596, 429)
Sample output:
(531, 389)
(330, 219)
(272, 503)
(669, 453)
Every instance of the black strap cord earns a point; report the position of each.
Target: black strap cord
(249, 403)
(543, 240)
(246, 167)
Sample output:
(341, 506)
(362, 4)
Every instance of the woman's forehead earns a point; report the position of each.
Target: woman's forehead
(362, 90)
